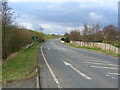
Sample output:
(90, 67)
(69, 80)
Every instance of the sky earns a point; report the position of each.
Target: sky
(61, 16)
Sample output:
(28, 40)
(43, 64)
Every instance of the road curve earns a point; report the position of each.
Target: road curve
(62, 66)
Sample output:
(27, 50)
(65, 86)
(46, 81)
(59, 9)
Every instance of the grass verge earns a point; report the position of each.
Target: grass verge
(116, 45)
(96, 49)
(21, 66)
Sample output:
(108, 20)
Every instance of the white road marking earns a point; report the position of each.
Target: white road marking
(107, 75)
(101, 63)
(113, 77)
(98, 61)
(37, 80)
(113, 65)
(51, 71)
(104, 67)
(48, 48)
(114, 73)
(81, 73)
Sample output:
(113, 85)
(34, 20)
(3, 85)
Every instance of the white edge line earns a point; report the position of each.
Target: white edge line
(51, 71)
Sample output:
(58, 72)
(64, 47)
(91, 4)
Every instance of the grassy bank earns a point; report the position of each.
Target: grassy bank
(96, 49)
(21, 66)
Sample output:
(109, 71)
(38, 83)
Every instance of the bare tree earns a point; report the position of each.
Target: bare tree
(110, 33)
(7, 19)
(75, 35)
(85, 29)
(85, 32)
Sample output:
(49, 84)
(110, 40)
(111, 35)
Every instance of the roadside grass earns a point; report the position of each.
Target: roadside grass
(21, 66)
(117, 45)
(96, 49)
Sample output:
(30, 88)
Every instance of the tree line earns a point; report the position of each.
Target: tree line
(109, 34)
(14, 37)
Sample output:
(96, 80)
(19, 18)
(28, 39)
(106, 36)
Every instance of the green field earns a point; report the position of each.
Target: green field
(21, 66)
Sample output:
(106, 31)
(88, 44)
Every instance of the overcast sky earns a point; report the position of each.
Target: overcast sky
(61, 16)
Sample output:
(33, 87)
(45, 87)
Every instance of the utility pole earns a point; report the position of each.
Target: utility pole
(42, 30)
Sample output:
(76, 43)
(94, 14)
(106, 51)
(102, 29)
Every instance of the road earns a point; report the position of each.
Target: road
(68, 67)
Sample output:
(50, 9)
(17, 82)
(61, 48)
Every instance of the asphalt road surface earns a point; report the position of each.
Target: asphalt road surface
(68, 67)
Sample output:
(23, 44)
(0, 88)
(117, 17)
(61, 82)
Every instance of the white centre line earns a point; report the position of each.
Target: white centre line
(51, 71)
(104, 67)
(81, 73)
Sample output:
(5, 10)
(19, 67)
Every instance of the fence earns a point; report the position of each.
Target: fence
(103, 46)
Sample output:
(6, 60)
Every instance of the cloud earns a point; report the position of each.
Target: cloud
(26, 25)
(100, 1)
(54, 28)
(95, 16)
(60, 17)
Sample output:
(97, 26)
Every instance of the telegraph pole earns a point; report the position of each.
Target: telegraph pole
(42, 30)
